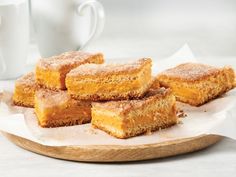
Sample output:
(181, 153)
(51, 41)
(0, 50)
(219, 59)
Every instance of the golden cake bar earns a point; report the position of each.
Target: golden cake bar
(56, 108)
(24, 91)
(197, 84)
(110, 81)
(127, 118)
(51, 72)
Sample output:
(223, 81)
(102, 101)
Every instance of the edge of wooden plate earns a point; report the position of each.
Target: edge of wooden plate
(117, 153)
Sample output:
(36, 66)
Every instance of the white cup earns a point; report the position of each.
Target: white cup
(14, 37)
(65, 25)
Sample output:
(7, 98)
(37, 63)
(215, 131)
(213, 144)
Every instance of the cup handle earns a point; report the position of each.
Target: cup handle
(99, 18)
(2, 63)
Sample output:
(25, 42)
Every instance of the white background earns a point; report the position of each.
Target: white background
(159, 27)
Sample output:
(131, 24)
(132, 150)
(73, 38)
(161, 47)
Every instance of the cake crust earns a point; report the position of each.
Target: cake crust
(190, 72)
(93, 70)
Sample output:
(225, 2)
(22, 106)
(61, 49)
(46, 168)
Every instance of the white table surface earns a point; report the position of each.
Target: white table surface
(218, 160)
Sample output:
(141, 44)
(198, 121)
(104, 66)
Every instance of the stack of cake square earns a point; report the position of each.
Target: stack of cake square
(123, 100)
(46, 90)
(76, 87)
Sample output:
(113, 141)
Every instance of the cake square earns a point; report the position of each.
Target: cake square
(56, 108)
(127, 118)
(51, 72)
(24, 91)
(196, 84)
(110, 81)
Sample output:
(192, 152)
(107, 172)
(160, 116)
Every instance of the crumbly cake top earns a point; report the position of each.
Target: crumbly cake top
(50, 98)
(65, 59)
(104, 69)
(190, 72)
(28, 80)
(124, 106)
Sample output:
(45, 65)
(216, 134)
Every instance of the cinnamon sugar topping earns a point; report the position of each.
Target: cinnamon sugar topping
(93, 69)
(51, 98)
(190, 71)
(65, 59)
(28, 79)
(124, 105)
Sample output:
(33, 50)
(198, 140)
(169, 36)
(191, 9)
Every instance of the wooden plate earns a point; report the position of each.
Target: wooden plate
(111, 153)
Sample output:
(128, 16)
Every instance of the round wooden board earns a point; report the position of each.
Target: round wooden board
(117, 153)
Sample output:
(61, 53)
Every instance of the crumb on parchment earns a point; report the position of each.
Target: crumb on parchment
(181, 114)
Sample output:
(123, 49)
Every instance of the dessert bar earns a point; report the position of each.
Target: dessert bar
(110, 81)
(197, 84)
(127, 118)
(24, 90)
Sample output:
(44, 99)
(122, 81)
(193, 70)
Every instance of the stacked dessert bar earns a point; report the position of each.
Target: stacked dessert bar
(124, 100)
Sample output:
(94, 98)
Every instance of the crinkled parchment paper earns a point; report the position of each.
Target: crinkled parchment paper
(216, 117)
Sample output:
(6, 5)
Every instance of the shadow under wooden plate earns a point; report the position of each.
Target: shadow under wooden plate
(117, 153)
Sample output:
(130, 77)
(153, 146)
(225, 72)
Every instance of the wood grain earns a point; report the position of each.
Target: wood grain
(117, 153)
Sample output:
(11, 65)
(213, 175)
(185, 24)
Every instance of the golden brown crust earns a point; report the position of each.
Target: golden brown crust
(27, 80)
(197, 84)
(50, 98)
(67, 59)
(22, 104)
(125, 106)
(141, 131)
(190, 72)
(93, 70)
(64, 123)
(106, 97)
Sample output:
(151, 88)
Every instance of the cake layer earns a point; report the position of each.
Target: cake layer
(51, 72)
(24, 90)
(127, 118)
(197, 84)
(56, 108)
(110, 81)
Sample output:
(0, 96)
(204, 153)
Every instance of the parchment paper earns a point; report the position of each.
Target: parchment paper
(216, 117)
